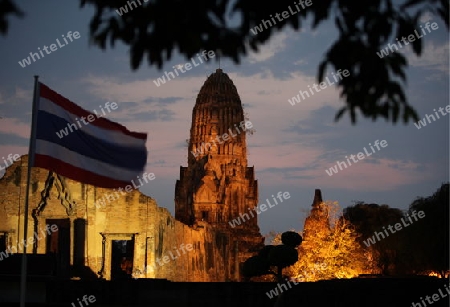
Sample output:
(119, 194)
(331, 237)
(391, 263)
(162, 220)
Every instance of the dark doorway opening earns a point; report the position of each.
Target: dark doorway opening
(79, 243)
(3, 242)
(58, 244)
(122, 259)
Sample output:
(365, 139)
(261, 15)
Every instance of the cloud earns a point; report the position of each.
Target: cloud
(314, 124)
(434, 57)
(15, 126)
(142, 100)
(386, 175)
(427, 16)
(275, 45)
(13, 139)
(16, 102)
(162, 114)
(165, 100)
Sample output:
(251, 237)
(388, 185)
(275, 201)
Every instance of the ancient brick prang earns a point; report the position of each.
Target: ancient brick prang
(217, 186)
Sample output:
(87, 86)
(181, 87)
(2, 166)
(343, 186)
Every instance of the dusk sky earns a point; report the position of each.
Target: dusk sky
(292, 146)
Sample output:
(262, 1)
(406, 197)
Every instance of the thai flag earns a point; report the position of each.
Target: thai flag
(84, 146)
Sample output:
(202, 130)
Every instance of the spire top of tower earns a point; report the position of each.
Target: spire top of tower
(219, 89)
(317, 197)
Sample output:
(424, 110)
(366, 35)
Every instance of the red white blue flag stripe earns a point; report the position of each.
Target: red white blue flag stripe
(101, 153)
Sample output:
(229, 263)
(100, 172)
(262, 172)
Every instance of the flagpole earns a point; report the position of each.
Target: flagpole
(31, 150)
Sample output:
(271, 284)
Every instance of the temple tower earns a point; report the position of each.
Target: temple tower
(317, 221)
(217, 186)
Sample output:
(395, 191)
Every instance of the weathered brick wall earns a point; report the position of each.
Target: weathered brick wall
(121, 217)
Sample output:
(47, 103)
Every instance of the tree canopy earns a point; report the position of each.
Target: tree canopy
(368, 218)
(375, 86)
(330, 248)
(420, 247)
(428, 241)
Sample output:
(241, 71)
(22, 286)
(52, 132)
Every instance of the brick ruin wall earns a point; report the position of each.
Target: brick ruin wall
(125, 216)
